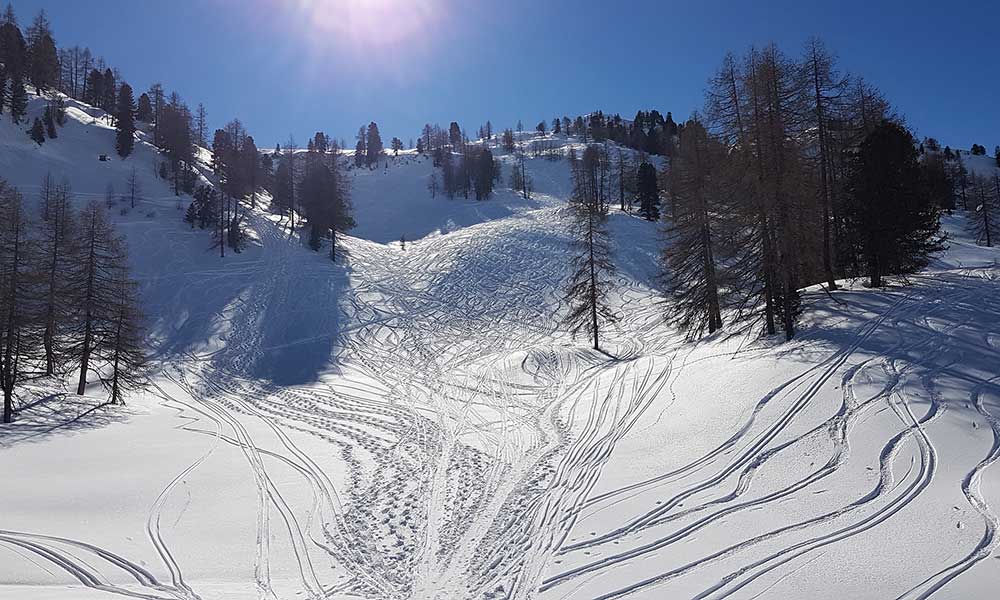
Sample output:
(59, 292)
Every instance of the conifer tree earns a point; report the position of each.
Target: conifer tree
(507, 140)
(144, 112)
(290, 149)
(43, 67)
(174, 125)
(449, 176)
(590, 280)
(825, 89)
(201, 126)
(50, 125)
(986, 217)
(58, 252)
(37, 131)
(203, 209)
(463, 174)
(326, 203)
(520, 181)
(94, 283)
(960, 175)
(483, 174)
(18, 100)
(13, 50)
(191, 214)
(17, 338)
(125, 121)
(133, 187)
(648, 191)
(625, 180)
(692, 267)
(94, 93)
(157, 103)
(46, 193)
(109, 97)
(432, 185)
(250, 163)
(282, 186)
(756, 109)
(938, 181)
(60, 112)
(121, 339)
(361, 148)
(373, 145)
(893, 221)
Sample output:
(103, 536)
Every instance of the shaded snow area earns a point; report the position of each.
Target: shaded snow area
(416, 424)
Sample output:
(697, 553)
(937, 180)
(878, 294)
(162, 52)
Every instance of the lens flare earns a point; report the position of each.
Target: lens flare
(345, 42)
(372, 26)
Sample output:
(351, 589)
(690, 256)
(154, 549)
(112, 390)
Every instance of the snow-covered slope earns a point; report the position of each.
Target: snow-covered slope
(416, 424)
(392, 201)
(75, 154)
(985, 166)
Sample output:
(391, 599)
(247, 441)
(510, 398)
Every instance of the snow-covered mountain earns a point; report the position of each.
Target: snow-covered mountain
(414, 423)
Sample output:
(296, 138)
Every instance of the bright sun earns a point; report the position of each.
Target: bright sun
(373, 23)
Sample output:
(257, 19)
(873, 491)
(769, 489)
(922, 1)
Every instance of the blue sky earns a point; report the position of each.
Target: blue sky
(298, 66)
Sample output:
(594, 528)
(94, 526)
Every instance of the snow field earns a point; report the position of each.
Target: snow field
(416, 424)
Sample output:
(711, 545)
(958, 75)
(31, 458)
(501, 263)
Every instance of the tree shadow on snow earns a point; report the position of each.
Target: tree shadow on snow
(300, 327)
(58, 414)
(263, 313)
(942, 334)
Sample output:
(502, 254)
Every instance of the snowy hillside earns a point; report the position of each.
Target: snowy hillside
(393, 202)
(76, 153)
(414, 423)
(980, 165)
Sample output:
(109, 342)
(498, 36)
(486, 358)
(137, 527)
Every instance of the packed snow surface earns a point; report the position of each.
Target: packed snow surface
(414, 423)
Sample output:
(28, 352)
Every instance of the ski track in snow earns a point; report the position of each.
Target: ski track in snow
(474, 434)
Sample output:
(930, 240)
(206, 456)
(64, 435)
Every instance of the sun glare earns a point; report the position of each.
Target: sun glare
(372, 24)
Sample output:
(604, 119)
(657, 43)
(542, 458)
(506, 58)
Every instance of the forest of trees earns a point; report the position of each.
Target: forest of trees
(67, 303)
(796, 175)
(314, 184)
(467, 169)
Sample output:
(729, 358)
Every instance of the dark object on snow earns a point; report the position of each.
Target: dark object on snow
(104, 158)
(37, 132)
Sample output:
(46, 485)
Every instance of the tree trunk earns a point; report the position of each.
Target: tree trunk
(115, 391)
(714, 311)
(8, 405)
(81, 387)
(986, 211)
(48, 337)
(768, 277)
(788, 308)
(875, 273)
(593, 280)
